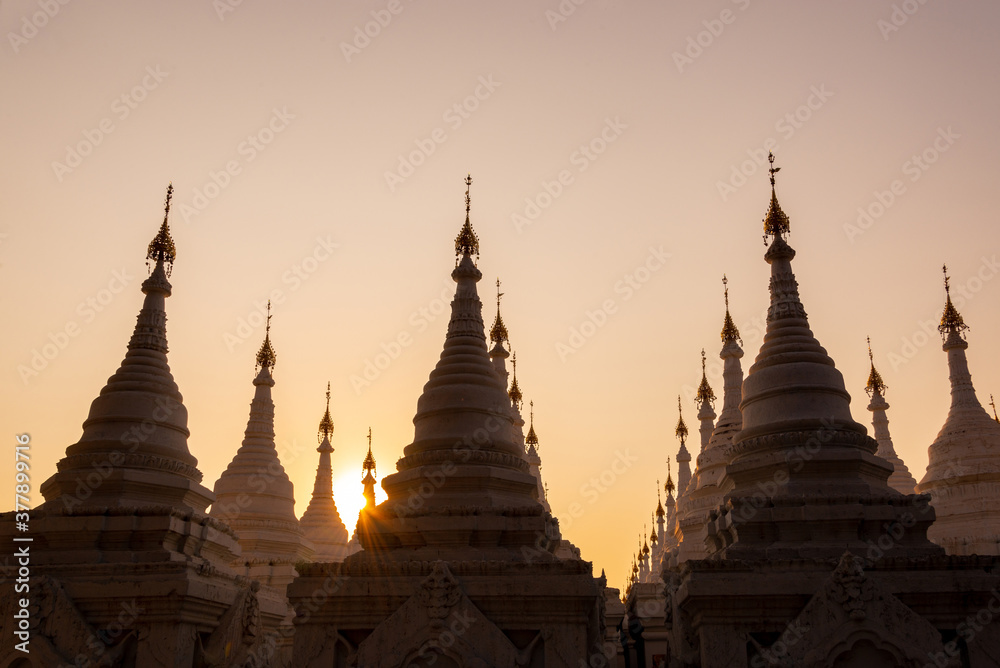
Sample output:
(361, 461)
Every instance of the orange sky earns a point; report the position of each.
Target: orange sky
(323, 167)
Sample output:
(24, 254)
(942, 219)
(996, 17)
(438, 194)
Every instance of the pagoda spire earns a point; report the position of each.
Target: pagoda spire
(138, 422)
(794, 399)
(963, 468)
(995, 417)
(683, 456)
(516, 398)
(730, 419)
(261, 509)
(498, 337)
(161, 248)
(464, 401)
(900, 480)
(368, 480)
(532, 439)
(534, 460)
(466, 243)
(321, 521)
(775, 220)
(705, 399)
(670, 534)
(730, 333)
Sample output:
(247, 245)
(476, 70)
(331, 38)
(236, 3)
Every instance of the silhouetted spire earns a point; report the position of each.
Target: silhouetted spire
(265, 356)
(952, 324)
(161, 249)
(498, 333)
(138, 421)
(516, 398)
(466, 243)
(705, 393)
(775, 221)
(532, 439)
(729, 331)
(900, 480)
(875, 384)
(368, 466)
(321, 521)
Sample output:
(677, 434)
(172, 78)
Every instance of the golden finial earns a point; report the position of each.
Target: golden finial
(729, 331)
(705, 393)
(326, 423)
(775, 222)
(659, 503)
(498, 333)
(645, 545)
(875, 383)
(266, 356)
(994, 409)
(368, 466)
(951, 320)
(531, 438)
(517, 400)
(161, 248)
(652, 533)
(669, 486)
(682, 431)
(467, 243)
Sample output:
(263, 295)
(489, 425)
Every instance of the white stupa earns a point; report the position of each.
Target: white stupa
(321, 522)
(901, 480)
(963, 471)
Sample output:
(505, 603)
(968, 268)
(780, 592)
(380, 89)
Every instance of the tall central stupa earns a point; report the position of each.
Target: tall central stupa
(458, 565)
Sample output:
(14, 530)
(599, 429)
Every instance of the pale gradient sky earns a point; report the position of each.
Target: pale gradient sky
(885, 97)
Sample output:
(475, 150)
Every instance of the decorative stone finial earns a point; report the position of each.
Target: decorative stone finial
(729, 331)
(705, 393)
(498, 333)
(516, 398)
(682, 431)
(951, 320)
(775, 222)
(326, 423)
(161, 248)
(467, 243)
(265, 356)
(531, 438)
(875, 383)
